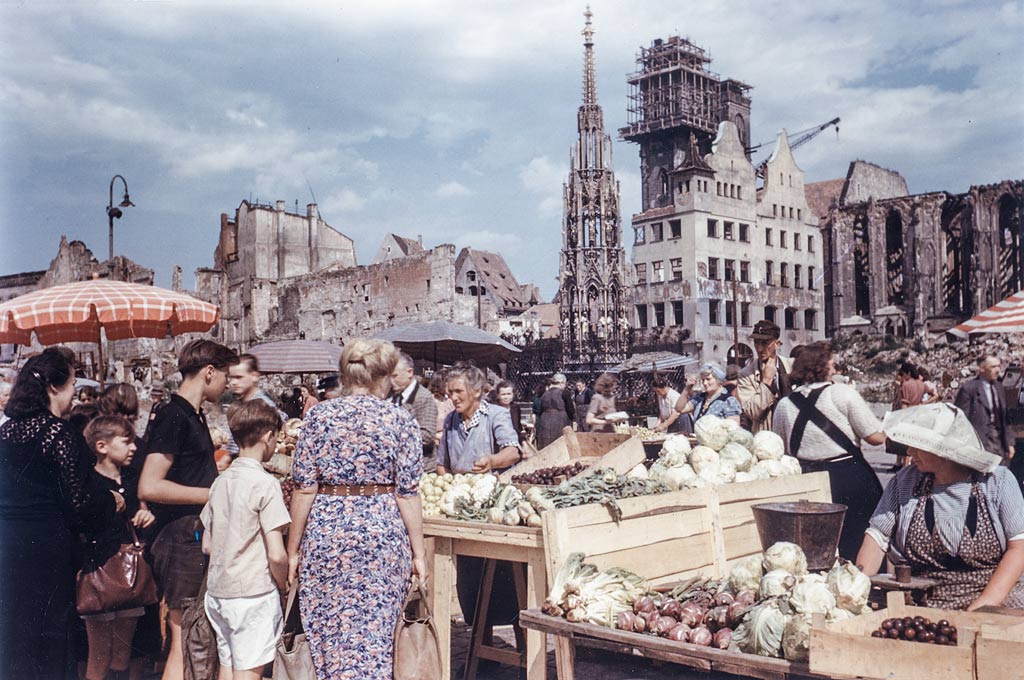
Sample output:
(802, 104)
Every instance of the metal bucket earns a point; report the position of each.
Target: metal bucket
(815, 527)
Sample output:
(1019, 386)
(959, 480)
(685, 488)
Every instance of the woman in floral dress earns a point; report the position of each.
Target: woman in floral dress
(356, 534)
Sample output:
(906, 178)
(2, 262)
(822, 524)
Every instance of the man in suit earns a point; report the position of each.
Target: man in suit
(407, 392)
(765, 379)
(983, 401)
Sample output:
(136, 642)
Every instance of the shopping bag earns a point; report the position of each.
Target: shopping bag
(292, 658)
(198, 641)
(417, 653)
(124, 581)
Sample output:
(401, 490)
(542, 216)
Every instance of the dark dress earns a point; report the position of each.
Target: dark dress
(47, 494)
(553, 417)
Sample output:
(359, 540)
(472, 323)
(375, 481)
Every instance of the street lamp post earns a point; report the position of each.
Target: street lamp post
(113, 213)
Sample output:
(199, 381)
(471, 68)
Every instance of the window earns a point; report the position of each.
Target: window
(784, 275)
(677, 312)
(713, 228)
(641, 316)
(782, 239)
(659, 314)
(675, 228)
(658, 271)
(769, 273)
(718, 188)
(744, 313)
(810, 244)
(677, 268)
(810, 278)
(639, 234)
(744, 272)
(775, 209)
(799, 213)
(769, 314)
(470, 276)
(790, 212)
(713, 306)
(657, 232)
(730, 270)
(664, 183)
(768, 236)
(810, 319)
(739, 192)
(727, 231)
(641, 274)
(798, 280)
(744, 232)
(796, 241)
(790, 319)
(730, 307)
(713, 268)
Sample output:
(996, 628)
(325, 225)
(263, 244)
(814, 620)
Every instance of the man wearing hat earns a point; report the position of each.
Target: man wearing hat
(954, 514)
(765, 379)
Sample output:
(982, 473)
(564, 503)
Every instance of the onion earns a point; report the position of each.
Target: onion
(680, 633)
(639, 624)
(735, 614)
(671, 608)
(724, 598)
(689, 617)
(701, 636)
(747, 597)
(625, 620)
(723, 637)
(643, 604)
(663, 625)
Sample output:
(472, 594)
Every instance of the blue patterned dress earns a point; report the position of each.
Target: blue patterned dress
(355, 559)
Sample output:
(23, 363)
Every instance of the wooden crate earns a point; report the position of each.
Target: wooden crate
(619, 452)
(999, 649)
(845, 649)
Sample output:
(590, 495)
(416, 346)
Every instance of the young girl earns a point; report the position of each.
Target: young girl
(112, 439)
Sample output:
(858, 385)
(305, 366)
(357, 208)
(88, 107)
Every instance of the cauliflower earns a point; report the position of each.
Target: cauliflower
(768, 446)
(737, 455)
(676, 443)
(483, 489)
(702, 457)
(787, 556)
(454, 492)
(712, 431)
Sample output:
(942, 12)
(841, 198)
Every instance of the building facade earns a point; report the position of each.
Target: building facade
(592, 284)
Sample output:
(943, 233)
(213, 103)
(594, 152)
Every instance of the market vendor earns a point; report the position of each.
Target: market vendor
(714, 400)
(603, 403)
(478, 437)
(669, 420)
(954, 514)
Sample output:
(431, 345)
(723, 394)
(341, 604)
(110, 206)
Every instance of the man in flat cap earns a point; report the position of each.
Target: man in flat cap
(765, 379)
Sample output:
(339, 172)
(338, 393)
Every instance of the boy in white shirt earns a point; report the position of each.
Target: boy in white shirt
(244, 519)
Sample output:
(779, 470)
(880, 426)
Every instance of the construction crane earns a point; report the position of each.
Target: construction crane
(795, 141)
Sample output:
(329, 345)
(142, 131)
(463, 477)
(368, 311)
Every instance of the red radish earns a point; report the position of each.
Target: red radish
(723, 637)
(680, 633)
(625, 620)
(643, 604)
(701, 636)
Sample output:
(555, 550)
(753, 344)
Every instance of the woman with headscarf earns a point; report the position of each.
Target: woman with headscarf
(713, 401)
(954, 514)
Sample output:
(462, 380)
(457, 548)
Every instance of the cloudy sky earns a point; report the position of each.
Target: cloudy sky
(451, 119)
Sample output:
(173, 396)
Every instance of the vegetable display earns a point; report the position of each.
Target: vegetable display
(918, 629)
(548, 475)
(288, 436)
(582, 594)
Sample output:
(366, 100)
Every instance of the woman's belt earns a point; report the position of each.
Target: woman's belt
(554, 410)
(355, 489)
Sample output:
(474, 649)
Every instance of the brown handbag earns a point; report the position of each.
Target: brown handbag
(417, 653)
(124, 581)
(293, 659)
(198, 641)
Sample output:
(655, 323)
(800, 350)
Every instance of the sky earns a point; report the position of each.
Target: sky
(451, 119)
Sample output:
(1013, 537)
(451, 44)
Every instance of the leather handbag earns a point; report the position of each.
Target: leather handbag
(124, 581)
(198, 641)
(292, 658)
(417, 653)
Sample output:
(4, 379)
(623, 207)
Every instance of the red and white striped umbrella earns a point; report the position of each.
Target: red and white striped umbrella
(297, 356)
(75, 312)
(1003, 317)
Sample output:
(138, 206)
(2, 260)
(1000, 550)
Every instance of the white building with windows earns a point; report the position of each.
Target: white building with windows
(714, 254)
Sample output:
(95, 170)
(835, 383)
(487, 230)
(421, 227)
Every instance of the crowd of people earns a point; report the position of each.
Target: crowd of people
(78, 484)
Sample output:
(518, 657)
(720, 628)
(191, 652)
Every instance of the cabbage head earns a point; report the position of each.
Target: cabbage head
(676, 477)
(790, 466)
(810, 596)
(696, 482)
(744, 438)
(703, 457)
(849, 585)
(796, 638)
(676, 443)
(711, 472)
(639, 471)
(742, 477)
(712, 431)
(761, 631)
(739, 456)
(840, 614)
(768, 446)
(769, 469)
(746, 574)
(787, 556)
(775, 583)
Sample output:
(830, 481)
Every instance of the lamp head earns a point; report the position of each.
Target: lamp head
(126, 203)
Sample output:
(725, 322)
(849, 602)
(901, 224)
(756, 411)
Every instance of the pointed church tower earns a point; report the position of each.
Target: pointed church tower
(592, 304)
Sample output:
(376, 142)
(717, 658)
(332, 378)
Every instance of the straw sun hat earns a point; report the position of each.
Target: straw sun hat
(941, 429)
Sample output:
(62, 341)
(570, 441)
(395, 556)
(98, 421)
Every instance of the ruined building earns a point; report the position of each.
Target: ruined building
(592, 288)
(712, 253)
(908, 264)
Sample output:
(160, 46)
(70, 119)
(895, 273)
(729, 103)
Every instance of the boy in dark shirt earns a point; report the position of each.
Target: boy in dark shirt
(176, 480)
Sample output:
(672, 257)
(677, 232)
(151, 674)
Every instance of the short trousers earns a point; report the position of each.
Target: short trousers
(178, 560)
(247, 628)
(133, 613)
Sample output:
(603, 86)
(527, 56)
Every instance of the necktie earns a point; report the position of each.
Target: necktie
(397, 399)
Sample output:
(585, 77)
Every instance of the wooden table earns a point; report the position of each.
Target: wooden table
(514, 544)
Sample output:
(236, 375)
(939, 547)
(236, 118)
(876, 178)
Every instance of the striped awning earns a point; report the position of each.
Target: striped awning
(654, 362)
(75, 312)
(1003, 317)
(297, 356)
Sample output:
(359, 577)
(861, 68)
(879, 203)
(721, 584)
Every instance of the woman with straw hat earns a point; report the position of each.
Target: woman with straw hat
(954, 514)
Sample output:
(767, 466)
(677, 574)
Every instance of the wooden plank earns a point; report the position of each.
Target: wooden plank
(641, 506)
(442, 586)
(778, 486)
(641, 531)
(498, 551)
(536, 591)
(623, 457)
(662, 559)
(596, 443)
(527, 537)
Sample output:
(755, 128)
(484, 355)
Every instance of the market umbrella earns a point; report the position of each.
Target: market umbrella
(297, 356)
(446, 343)
(78, 312)
(1003, 317)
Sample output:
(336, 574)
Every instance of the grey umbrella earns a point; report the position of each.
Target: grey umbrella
(446, 343)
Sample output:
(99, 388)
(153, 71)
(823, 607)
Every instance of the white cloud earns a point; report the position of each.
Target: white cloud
(243, 118)
(452, 190)
(342, 201)
(507, 243)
